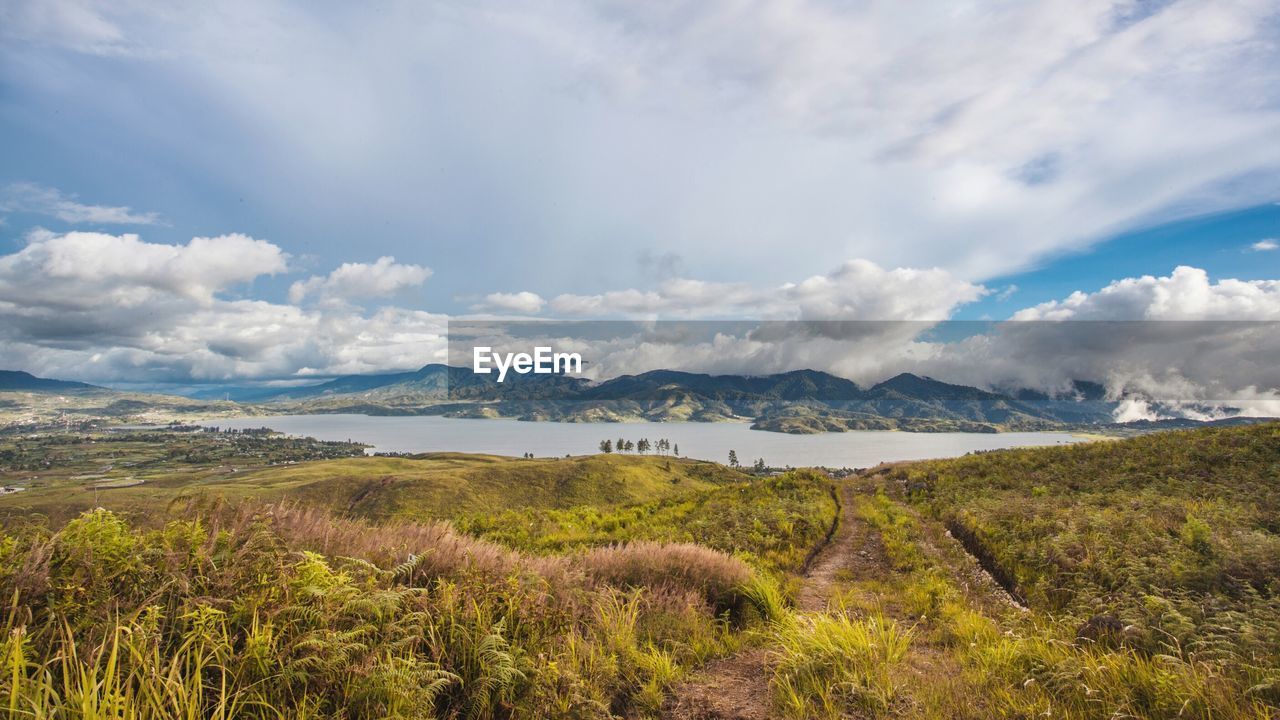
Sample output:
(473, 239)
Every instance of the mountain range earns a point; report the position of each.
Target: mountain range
(18, 381)
(801, 401)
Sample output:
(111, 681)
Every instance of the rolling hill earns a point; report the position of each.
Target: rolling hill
(30, 401)
(801, 401)
(19, 381)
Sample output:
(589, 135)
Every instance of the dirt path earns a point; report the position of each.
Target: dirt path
(737, 687)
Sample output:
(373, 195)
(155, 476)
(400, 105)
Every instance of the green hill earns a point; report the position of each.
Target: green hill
(145, 472)
(1164, 547)
(447, 485)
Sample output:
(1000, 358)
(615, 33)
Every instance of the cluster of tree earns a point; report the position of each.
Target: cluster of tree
(235, 431)
(642, 446)
(758, 466)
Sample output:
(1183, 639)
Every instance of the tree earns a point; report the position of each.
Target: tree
(630, 446)
(676, 452)
(622, 445)
(606, 446)
(643, 446)
(760, 466)
(733, 459)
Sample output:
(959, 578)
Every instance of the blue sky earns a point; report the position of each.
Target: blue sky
(351, 179)
(1221, 243)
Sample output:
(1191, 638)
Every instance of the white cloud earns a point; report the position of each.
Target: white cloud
(1186, 294)
(520, 302)
(1265, 245)
(857, 290)
(352, 281)
(1178, 345)
(1195, 346)
(85, 269)
(109, 308)
(74, 24)
(106, 307)
(759, 140)
(32, 198)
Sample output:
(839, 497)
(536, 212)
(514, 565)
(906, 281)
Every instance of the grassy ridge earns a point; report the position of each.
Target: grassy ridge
(454, 484)
(1162, 553)
(775, 520)
(62, 476)
(981, 660)
(286, 612)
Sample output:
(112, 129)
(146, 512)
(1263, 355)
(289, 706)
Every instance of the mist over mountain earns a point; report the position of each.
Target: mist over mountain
(797, 401)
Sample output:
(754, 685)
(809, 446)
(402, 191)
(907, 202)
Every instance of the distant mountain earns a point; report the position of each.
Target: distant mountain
(797, 401)
(33, 402)
(17, 380)
(801, 401)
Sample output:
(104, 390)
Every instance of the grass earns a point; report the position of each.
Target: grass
(245, 610)
(826, 664)
(454, 484)
(776, 520)
(1120, 623)
(63, 475)
(1175, 535)
(1147, 566)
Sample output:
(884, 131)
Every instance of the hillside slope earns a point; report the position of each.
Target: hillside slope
(448, 485)
(17, 380)
(799, 401)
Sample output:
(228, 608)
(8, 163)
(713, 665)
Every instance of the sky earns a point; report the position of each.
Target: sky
(273, 190)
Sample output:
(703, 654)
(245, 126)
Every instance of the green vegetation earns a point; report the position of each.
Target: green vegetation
(43, 410)
(235, 608)
(146, 472)
(828, 663)
(1126, 579)
(449, 485)
(811, 421)
(1175, 535)
(62, 474)
(1149, 567)
(777, 521)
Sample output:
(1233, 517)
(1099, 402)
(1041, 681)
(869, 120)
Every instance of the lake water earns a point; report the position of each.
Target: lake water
(706, 441)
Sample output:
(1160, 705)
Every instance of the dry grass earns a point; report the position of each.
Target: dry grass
(718, 577)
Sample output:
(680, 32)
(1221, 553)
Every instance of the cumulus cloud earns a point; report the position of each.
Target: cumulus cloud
(106, 307)
(116, 308)
(85, 269)
(353, 281)
(1177, 345)
(520, 302)
(1186, 294)
(1265, 245)
(1196, 346)
(857, 290)
(32, 198)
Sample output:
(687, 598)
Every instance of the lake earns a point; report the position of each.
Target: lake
(706, 441)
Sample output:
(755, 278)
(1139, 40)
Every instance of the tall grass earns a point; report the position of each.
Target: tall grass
(284, 612)
(827, 665)
(1034, 665)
